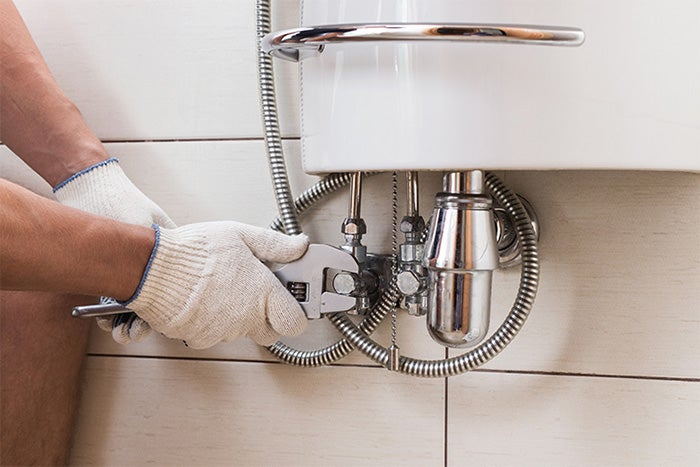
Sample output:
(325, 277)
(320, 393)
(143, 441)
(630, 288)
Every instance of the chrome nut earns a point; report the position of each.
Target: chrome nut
(412, 224)
(415, 309)
(416, 305)
(345, 283)
(409, 283)
(354, 227)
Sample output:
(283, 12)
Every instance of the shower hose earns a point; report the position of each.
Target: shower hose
(357, 336)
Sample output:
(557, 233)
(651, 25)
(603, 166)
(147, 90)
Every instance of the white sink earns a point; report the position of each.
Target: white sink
(628, 98)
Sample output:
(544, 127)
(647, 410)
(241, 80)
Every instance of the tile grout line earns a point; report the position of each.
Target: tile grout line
(187, 140)
(592, 375)
(358, 365)
(219, 359)
(192, 140)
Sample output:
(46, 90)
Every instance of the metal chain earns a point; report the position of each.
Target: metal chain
(393, 362)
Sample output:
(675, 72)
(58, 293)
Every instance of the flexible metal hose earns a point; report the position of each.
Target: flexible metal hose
(273, 140)
(340, 349)
(357, 335)
(315, 193)
(288, 219)
(519, 312)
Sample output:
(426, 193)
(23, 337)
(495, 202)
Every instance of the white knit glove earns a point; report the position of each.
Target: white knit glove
(104, 189)
(205, 283)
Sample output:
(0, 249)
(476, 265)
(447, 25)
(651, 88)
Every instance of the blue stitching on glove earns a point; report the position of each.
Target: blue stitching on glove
(155, 227)
(83, 172)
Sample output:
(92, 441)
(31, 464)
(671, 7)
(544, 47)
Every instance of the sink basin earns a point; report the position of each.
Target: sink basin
(628, 98)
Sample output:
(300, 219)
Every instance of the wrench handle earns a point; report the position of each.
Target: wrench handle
(102, 309)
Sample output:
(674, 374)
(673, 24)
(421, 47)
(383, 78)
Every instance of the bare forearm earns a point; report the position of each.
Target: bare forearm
(48, 247)
(37, 121)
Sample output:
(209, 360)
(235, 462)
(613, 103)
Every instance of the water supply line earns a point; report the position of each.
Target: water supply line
(288, 219)
(529, 280)
(358, 335)
(273, 139)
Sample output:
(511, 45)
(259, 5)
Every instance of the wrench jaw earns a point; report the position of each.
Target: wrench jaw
(309, 279)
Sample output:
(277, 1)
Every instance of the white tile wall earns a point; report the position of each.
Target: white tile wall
(174, 412)
(604, 373)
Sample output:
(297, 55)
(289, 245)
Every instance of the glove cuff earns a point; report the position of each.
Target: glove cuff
(93, 168)
(96, 189)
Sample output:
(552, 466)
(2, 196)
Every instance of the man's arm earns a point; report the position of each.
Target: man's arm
(202, 283)
(37, 121)
(53, 248)
(47, 246)
(46, 130)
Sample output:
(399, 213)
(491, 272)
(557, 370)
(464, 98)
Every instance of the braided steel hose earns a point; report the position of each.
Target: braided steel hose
(529, 279)
(273, 140)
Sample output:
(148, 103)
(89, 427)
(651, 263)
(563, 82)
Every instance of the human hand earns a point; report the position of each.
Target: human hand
(205, 283)
(104, 189)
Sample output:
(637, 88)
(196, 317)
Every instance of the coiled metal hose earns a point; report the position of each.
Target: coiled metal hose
(315, 193)
(340, 349)
(273, 140)
(288, 219)
(357, 335)
(529, 280)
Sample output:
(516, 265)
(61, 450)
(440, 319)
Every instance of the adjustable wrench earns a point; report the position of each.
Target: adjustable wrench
(310, 279)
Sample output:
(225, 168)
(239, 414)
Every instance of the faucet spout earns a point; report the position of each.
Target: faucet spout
(461, 254)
